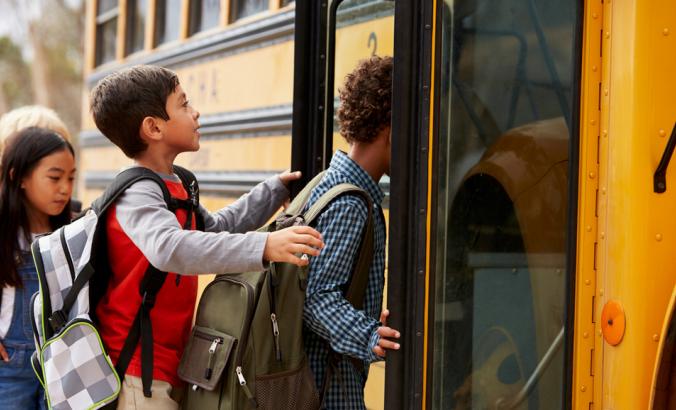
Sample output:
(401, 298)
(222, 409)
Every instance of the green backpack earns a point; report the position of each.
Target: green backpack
(246, 350)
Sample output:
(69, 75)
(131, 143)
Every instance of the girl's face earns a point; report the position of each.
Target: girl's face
(49, 187)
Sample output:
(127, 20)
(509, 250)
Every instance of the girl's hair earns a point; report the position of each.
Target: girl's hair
(20, 157)
(30, 116)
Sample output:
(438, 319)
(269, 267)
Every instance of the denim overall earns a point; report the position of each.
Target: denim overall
(19, 387)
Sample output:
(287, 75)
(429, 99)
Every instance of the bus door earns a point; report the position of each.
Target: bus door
(331, 37)
(481, 227)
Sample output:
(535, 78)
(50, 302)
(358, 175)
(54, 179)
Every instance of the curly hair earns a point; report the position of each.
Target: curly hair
(366, 100)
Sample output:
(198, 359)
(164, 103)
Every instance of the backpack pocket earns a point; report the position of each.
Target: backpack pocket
(77, 372)
(294, 389)
(206, 357)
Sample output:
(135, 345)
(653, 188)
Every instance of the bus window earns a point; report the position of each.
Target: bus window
(204, 14)
(137, 10)
(287, 2)
(106, 31)
(167, 21)
(245, 8)
(501, 191)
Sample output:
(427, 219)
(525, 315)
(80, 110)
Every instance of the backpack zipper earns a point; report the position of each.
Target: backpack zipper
(273, 312)
(212, 355)
(245, 332)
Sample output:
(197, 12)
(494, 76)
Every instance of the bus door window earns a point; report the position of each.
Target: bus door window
(363, 28)
(107, 12)
(501, 199)
(167, 21)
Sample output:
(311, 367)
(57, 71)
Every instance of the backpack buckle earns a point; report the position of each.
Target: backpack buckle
(193, 194)
(57, 320)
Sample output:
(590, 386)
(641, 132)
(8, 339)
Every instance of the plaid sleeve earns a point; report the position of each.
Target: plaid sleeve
(327, 312)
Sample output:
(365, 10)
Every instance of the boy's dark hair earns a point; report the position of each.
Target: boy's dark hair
(366, 100)
(121, 101)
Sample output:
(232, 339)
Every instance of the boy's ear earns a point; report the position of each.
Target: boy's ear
(151, 129)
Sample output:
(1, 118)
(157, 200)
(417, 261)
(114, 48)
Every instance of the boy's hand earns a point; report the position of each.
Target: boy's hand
(283, 245)
(386, 332)
(287, 176)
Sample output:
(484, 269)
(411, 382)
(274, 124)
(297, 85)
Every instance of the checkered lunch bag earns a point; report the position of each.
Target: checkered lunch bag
(73, 270)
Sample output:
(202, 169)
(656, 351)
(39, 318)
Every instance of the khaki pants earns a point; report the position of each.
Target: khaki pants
(165, 397)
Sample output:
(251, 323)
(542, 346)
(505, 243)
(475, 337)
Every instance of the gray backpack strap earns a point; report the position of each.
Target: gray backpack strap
(357, 288)
(298, 204)
(360, 272)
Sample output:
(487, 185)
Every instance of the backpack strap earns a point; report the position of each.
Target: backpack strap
(192, 188)
(296, 206)
(360, 271)
(153, 278)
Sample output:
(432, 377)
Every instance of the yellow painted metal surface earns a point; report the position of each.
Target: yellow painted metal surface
(583, 344)
(259, 78)
(352, 45)
(637, 230)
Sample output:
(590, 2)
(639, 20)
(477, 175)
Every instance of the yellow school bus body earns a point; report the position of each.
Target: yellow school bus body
(626, 233)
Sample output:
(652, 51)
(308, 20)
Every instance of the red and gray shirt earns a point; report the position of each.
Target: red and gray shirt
(142, 230)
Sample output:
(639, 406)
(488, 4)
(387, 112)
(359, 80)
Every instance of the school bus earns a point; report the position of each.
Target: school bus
(529, 226)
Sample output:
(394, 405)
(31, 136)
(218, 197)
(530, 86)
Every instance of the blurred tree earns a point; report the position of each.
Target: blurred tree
(51, 36)
(15, 79)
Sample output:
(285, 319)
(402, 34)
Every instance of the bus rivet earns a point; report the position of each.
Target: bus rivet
(420, 272)
(594, 68)
(583, 388)
(587, 282)
(585, 335)
(427, 26)
(663, 133)
(607, 34)
(595, 15)
(592, 122)
(600, 332)
(658, 237)
(605, 133)
(656, 337)
(600, 292)
(588, 228)
(605, 91)
(418, 334)
(665, 32)
(592, 175)
(602, 235)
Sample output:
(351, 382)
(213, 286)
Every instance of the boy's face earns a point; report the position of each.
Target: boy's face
(180, 131)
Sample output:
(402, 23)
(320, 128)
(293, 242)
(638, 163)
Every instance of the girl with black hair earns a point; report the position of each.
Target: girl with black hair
(36, 182)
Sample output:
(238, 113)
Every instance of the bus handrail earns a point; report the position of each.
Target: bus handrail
(505, 403)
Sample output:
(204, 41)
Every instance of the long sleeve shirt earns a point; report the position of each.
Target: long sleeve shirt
(329, 319)
(141, 230)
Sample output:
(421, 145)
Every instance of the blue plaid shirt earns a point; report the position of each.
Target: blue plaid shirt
(328, 316)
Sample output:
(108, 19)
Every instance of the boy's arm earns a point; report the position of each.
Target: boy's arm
(145, 219)
(250, 211)
(327, 312)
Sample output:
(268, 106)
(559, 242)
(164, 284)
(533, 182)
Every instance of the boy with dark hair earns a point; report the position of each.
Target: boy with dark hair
(145, 112)
(331, 322)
